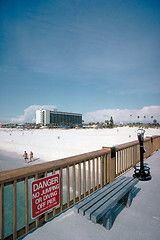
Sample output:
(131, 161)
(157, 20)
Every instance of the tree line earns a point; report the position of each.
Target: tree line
(105, 124)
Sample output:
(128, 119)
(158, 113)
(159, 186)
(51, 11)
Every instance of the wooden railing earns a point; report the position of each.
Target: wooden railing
(79, 176)
(128, 155)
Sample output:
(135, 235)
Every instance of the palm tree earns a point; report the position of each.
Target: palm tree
(111, 122)
(155, 122)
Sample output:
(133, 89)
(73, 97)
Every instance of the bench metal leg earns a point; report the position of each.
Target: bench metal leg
(108, 220)
(128, 199)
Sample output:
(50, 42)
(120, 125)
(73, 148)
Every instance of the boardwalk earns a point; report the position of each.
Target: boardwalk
(140, 221)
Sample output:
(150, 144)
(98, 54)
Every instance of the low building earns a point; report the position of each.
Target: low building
(46, 117)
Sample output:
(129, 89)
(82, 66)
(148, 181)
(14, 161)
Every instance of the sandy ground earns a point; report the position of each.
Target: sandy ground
(11, 160)
(48, 144)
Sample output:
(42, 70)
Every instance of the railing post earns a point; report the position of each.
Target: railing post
(111, 164)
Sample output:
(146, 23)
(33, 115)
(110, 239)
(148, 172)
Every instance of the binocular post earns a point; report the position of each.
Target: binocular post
(141, 172)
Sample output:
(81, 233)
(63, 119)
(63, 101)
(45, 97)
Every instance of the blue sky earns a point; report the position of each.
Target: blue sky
(79, 55)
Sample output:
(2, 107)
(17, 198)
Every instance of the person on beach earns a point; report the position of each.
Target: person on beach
(31, 156)
(25, 155)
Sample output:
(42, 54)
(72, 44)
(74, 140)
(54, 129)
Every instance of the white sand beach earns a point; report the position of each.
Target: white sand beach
(52, 144)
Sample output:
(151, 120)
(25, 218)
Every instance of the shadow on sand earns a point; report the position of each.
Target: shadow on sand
(34, 160)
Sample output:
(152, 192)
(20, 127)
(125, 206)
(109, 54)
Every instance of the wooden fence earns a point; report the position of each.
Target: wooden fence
(79, 176)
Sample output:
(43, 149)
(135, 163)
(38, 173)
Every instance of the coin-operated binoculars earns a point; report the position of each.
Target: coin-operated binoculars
(142, 172)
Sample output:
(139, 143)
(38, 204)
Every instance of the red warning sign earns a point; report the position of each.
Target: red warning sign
(45, 194)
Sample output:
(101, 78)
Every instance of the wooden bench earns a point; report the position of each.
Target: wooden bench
(98, 205)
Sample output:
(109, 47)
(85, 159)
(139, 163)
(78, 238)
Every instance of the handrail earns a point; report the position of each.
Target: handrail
(19, 173)
(126, 145)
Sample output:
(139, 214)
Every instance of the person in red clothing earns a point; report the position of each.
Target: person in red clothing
(31, 156)
(25, 155)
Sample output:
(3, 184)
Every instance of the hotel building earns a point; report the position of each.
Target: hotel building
(45, 117)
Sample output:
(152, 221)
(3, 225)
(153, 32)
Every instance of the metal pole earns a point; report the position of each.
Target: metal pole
(141, 157)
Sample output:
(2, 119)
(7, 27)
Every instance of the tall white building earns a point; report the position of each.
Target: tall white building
(45, 117)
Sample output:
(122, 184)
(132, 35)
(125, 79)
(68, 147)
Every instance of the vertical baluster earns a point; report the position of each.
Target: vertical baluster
(105, 169)
(68, 189)
(74, 184)
(2, 210)
(117, 161)
(84, 179)
(54, 209)
(136, 156)
(93, 175)
(128, 157)
(15, 209)
(130, 153)
(61, 190)
(101, 171)
(125, 156)
(108, 166)
(97, 173)
(46, 214)
(79, 180)
(37, 218)
(26, 206)
(122, 161)
(138, 153)
(131, 150)
(132, 156)
(120, 156)
(89, 177)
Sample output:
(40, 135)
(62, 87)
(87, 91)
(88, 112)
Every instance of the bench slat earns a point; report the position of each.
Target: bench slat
(98, 214)
(97, 193)
(93, 208)
(107, 193)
